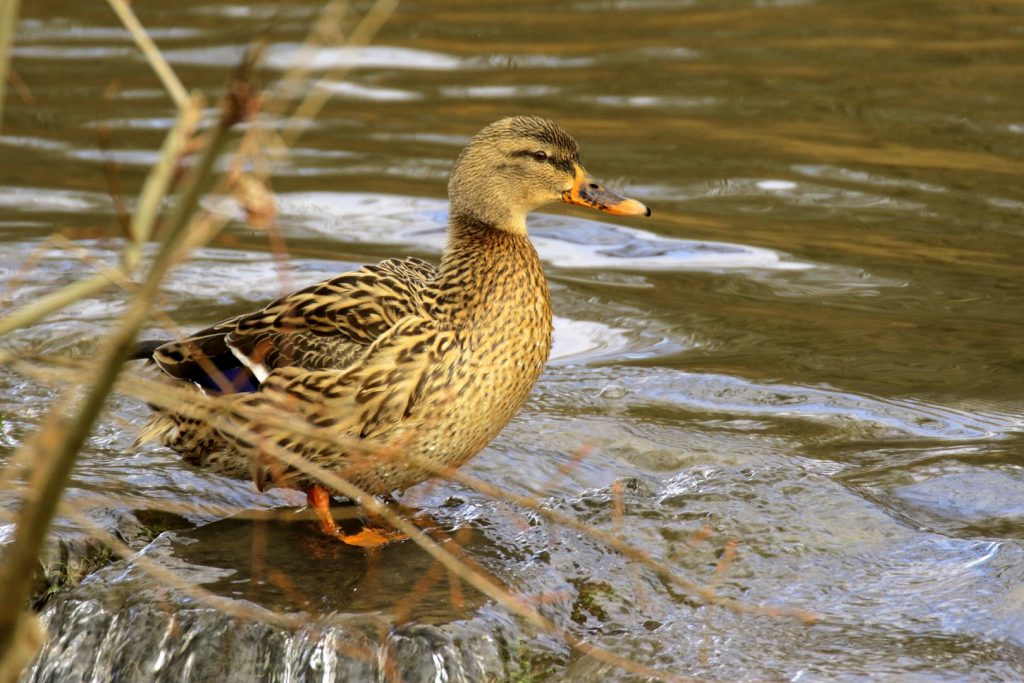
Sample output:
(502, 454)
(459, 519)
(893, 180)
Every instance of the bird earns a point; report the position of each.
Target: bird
(397, 363)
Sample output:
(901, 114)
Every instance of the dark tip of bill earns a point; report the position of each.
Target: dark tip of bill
(648, 211)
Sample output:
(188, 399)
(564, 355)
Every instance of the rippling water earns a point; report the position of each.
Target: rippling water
(814, 346)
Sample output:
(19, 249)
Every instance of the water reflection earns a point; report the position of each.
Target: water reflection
(282, 562)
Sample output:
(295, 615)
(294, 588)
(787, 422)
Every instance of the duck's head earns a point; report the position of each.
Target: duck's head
(519, 163)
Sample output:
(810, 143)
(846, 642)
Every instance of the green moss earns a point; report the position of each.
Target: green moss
(152, 523)
(589, 596)
(70, 570)
(71, 560)
(527, 665)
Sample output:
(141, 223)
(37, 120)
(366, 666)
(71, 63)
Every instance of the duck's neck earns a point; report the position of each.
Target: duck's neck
(491, 276)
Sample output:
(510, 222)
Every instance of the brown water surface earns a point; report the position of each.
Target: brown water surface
(814, 345)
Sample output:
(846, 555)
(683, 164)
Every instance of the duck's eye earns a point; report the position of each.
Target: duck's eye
(540, 155)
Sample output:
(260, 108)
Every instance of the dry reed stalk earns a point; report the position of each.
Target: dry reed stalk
(238, 609)
(188, 401)
(662, 569)
(48, 480)
(58, 439)
(457, 563)
(54, 447)
(318, 95)
(153, 55)
(54, 301)
(153, 192)
(112, 170)
(458, 566)
(158, 182)
(324, 32)
(30, 263)
(8, 21)
(195, 405)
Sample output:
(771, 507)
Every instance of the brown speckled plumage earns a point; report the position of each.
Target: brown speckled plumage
(400, 357)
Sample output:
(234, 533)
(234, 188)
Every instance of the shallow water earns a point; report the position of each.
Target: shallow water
(813, 346)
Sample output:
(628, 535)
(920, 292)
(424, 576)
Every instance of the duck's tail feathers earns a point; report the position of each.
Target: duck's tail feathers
(144, 349)
(159, 428)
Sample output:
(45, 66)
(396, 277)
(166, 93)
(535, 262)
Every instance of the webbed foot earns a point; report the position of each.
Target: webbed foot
(368, 536)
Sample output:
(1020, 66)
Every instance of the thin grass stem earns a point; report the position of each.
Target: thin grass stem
(156, 60)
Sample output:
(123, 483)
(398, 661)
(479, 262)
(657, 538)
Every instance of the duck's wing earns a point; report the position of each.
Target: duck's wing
(326, 325)
(403, 378)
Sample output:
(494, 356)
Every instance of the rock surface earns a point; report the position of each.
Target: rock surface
(123, 624)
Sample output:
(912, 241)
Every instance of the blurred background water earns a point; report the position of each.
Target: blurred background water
(813, 347)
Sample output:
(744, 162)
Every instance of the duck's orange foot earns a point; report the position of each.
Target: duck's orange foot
(367, 537)
(372, 537)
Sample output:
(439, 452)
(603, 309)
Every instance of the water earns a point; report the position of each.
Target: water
(813, 347)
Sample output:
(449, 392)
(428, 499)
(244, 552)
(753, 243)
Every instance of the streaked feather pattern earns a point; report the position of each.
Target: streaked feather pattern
(327, 325)
(396, 359)
(388, 355)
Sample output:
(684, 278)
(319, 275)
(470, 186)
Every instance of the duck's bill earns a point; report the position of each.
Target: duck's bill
(588, 192)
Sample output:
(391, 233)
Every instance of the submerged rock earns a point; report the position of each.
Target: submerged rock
(105, 638)
(301, 607)
(296, 606)
(953, 501)
(70, 554)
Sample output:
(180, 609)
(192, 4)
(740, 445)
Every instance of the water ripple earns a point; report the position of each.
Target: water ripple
(284, 56)
(66, 52)
(805, 194)
(562, 241)
(852, 415)
(32, 199)
(358, 91)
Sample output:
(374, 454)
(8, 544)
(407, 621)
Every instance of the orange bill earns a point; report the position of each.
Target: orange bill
(588, 192)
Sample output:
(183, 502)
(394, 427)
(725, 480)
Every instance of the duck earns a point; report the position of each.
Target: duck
(427, 363)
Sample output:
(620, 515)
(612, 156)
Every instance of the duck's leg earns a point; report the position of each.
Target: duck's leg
(367, 537)
(320, 501)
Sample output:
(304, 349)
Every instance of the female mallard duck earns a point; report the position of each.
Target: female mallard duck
(401, 357)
